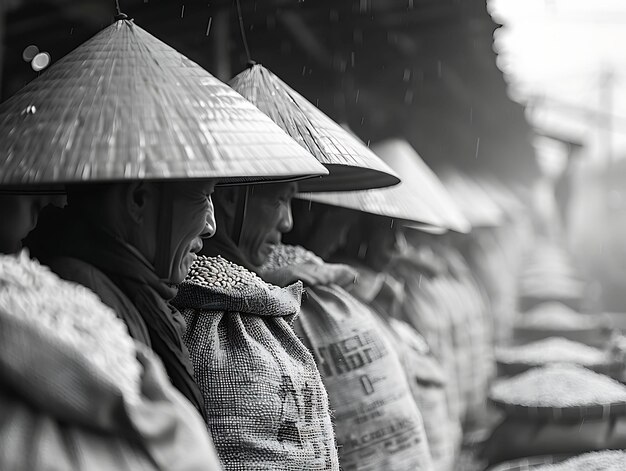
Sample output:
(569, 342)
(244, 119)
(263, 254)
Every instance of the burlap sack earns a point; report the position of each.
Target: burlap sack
(377, 422)
(266, 405)
(477, 317)
(478, 324)
(425, 375)
(428, 382)
(423, 310)
(448, 303)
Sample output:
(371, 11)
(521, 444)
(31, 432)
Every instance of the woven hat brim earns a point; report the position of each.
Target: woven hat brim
(429, 229)
(32, 190)
(424, 183)
(352, 165)
(397, 202)
(126, 106)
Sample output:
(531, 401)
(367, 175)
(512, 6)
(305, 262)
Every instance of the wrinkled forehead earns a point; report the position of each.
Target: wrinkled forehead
(195, 188)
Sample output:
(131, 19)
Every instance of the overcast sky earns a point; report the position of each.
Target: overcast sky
(571, 55)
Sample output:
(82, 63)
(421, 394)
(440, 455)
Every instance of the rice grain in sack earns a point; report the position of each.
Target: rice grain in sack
(428, 382)
(266, 406)
(378, 425)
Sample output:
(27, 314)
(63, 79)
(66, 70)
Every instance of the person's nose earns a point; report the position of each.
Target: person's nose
(286, 219)
(210, 226)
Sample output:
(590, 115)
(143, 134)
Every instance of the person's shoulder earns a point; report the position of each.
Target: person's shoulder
(89, 276)
(79, 271)
(86, 274)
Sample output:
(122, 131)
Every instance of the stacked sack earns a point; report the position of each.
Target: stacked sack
(377, 422)
(478, 320)
(448, 308)
(426, 377)
(422, 309)
(428, 384)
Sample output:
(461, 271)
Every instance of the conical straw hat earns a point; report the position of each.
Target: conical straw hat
(420, 198)
(477, 206)
(397, 202)
(424, 183)
(126, 106)
(352, 165)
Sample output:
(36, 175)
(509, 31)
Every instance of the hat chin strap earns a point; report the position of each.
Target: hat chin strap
(240, 215)
(163, 257)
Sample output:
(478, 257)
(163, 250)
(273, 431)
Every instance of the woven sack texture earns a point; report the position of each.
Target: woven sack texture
(446, 300)
(479, 327)
(377, 422)
(422, 309)
(266, 405)
(451, 313)
(477, 320)
(428, 382)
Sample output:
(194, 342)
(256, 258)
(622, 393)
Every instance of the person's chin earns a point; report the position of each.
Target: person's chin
(184, 267)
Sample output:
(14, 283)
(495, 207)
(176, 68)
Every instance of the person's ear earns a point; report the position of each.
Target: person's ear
(136, 198)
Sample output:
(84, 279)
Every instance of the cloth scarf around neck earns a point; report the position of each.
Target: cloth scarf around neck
(62, 233)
